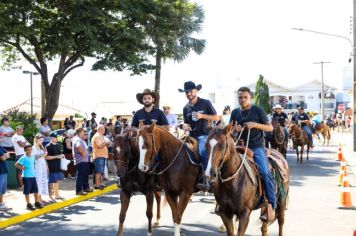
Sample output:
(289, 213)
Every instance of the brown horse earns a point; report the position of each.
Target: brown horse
(324, 130)
(279, 140)
(177, 172)
(233, 188)
(132, 180)
(299, 138)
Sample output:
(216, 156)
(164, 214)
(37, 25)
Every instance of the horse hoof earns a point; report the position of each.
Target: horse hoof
(156, 225)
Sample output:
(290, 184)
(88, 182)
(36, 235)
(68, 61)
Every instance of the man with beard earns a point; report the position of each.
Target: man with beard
(197, 113)
(148, 114)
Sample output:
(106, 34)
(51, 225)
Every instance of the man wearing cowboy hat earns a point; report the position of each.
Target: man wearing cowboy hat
(282, 118)
(197, 113)
(148, 114)
(304, 120)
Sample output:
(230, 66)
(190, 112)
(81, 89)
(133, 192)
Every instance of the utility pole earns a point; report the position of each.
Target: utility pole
(322, 105)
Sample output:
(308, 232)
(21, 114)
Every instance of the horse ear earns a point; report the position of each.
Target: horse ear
(228, 128)
(151, 128)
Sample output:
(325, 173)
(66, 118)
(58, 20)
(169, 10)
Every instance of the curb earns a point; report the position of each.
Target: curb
(55, 206)
(350, 158)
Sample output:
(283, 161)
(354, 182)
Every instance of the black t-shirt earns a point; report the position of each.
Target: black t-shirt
(281, 118)
(254, 114)
(155, 116)
(199, 127)
(303, 116)
(65, 149)
(55, 164)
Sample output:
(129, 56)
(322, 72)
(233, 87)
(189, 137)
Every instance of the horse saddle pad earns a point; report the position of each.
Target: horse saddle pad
(281, 163)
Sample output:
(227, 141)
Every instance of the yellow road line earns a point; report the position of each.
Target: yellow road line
(53, 207)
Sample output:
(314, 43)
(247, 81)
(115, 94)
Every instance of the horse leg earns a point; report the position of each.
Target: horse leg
(308, 147)
(182, 203)
(280, 217)
(125, 201)
(244, 218)
(158, 215)
(228, 220)
(173, 203)
(149, 214)
(301, 153)
(297, 150)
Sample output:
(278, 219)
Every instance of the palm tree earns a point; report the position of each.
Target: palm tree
(178, 45)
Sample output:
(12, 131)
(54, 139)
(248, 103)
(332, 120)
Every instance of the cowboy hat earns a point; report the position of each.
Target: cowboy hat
(154, 94)
(189, 85)
(278, 106)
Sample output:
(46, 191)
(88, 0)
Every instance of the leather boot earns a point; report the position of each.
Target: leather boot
(205, 186)
(268, 214)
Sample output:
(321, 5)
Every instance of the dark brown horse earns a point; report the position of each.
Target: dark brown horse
(177, 173)
(234, 190)
(300, 139)
(132, 180)
(279, 140)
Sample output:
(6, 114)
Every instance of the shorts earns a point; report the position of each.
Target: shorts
(54, 177)
(99, 165)
(30, 185)
(3, 183)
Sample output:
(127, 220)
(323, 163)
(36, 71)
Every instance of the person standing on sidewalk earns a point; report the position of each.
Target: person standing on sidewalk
(100, 155)
(3, 178)
(53, 158)
(19, 142)
(39, 152)
(7, 133)
(45, 130)
(27, 165)
(81, 161)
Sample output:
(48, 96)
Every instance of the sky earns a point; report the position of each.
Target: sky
(244, 39)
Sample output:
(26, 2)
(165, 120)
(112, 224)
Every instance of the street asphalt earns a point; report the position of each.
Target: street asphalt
(312, 209)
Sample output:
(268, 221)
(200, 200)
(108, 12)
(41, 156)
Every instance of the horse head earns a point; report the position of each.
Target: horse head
(218, 146)
(148, 146)
(123, 149)
(275, 123)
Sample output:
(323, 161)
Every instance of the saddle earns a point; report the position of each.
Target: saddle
(280, 163)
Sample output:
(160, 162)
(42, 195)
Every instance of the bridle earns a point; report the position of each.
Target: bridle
(155, 153)
(242, 162)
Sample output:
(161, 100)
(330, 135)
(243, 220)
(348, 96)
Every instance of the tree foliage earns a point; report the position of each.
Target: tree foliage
(261, 96)
(69, 31)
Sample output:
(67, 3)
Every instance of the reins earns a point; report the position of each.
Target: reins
(156, 153)
(241, 164)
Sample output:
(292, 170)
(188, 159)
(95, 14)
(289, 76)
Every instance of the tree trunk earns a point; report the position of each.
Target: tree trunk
(158, 75)
(52, 97)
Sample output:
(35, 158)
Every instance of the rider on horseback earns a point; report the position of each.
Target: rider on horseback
(304, 120)
(282, 118)
(317, 119)
(253, 118)
(197, 113)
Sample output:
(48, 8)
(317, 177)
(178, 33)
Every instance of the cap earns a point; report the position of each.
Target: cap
(53, 134)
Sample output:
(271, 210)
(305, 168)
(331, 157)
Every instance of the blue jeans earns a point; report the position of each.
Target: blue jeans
(81, 182)
(286, 133)
(309, 133)
(267, 179)
(202, 151)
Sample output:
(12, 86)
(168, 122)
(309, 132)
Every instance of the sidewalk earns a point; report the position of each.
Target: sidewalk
(16, 200)
(346, 139)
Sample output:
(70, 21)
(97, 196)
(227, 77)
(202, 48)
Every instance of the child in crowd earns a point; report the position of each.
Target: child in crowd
(27, 164)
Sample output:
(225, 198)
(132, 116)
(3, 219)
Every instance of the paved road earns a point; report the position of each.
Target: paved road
(313, 200)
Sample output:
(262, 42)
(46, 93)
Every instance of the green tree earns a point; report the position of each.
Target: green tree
(69, 31)
(169, 25)
(261, 96)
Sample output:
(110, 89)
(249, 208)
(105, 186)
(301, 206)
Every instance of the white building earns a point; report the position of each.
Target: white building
(306, 95)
